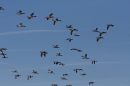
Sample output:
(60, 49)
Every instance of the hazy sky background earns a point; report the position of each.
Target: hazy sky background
(24, 44)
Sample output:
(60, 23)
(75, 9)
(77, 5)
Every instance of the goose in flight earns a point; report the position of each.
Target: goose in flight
(72, 30)
(63, 78)
(85, 57)
(96, 30)
(49, 16)
(54, 85)
(61, 64)
(69, 39)
(15, 71)
(31, 16)
(74, 49)
(50, 72)
(76, 35)
(76, 70)
(56, 62)
(20, 12)
(68, 85)
(1, 8)
(17, 75)
(69, 26)
(83, 74)
(58, 54)
(20, 25)
(94, 61)
(2, 53)
(91, 82)
(35, 72)
(29, 77)
(55, 20)
(99, 38)
(79, 50)
(108, 26)
(100, 33)
(56, 46)
(43, 53)
(65, 74)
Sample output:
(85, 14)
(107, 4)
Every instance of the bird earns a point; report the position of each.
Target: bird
(15, 71)
(79, 50)
(99, 38)
(72, 30)
(69, 26)
(80, 69)
(76, 35)
(29, 77)
(65, 74)
(76, 70)
(91, 82)
(43, 53)
(49, 16)
(85, 57)
(96, 30)
(74, 49)
(94, 61)
(17, 75)
(35, 72)
(31, 16)
(61, 64)
(20, 12)
(100, 33)
(20, 25)
(63, 78)
(58, 54)
(56, 62)
(83, 74)
(56, 46)
(54, 85)
(1, 8)
(69, 39)
(108, 26)
(55, 20)
(50, 72)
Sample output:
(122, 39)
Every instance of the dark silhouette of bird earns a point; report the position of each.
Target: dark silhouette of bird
(76, 35)
(63, 78)
(72, 30)
(94, 61)
(91, 82)
(16, 76)
(35, 72)
(108, 26)
(65, 74)
(20, 12)
(58, 54)
(31, 16)
(85, 57)
(49, 16)
(69, 26)
(55, 20)
(96, 30)
(69, 39)
(20, 25)
(100, 33)
(50, 72)
(29, 77)
(56, 46)
(99, 38)
(83, 74)
(15, 71)
(1, 8)
(43, 53)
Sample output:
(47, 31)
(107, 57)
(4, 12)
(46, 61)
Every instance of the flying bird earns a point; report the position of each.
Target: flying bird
(49, 16)
(96, 30)
(108, 26)
(74, 49)
(56, 46)
(29, 77)
(58, 54)
(69, 26)
(20, 12)
(17, 75)
(100, 33)
(43, 53)
(79, 50)
(20, 25)
(15, 71)
(94, 61)
(72, 30)
(76, 35)
(63, 78)
(65, 74)
(1, 8)
(83, 74)
(35, 72)
(69, 39)
(31, 16)
(85, 57)
(55, 20)
(50, 72)
(99, 38)
(91, 82)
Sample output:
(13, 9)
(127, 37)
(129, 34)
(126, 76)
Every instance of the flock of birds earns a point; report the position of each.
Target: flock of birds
(44, 53)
